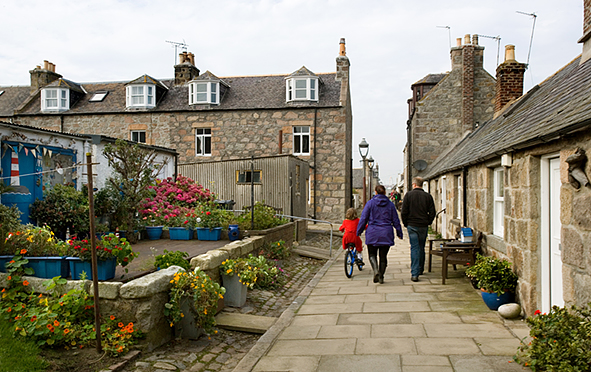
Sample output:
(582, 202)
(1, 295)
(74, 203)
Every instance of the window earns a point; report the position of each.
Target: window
(302, 89)
(499, 202)
(301, 140)
(140, 96)
(98, 97)
(55, 99)
(206, 92)
(203, 142)
(138, 136)
(458, 197)
(246, 177)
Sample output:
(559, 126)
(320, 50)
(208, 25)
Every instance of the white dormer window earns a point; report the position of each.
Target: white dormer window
(301, 89)
(140, 96)
(204, 92)
(55, 99)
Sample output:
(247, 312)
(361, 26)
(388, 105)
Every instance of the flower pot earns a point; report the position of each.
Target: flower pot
(154, 232)
(205, 233)
(105, 268)
(494, 300)
(233, 232)
(3, 261)
(235, 291)
(180, 233)
(187, 328)
(49, 267)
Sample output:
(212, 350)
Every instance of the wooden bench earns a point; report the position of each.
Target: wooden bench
(453, 252)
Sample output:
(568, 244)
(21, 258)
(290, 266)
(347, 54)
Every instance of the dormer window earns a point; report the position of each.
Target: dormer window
(140, 96)
(204, 92)
(301, 89)
(55, 99)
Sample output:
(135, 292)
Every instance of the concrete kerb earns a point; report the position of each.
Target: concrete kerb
(268, 339)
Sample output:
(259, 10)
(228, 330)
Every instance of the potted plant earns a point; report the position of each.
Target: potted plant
(154, 226)
(40, 247)
(193, 303)
(237, 276)
(177, 258)
(496, 280)
(210, 220)
(180, 226)
(110, 250)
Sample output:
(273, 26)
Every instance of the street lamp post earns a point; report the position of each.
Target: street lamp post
(370, 163)
(363, 151)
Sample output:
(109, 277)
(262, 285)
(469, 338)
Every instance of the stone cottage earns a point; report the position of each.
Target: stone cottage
(521, 179)
(208, 118)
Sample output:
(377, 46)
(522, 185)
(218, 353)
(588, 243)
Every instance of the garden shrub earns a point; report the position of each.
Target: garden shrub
(264, 218)
(276, 251)
(34, 241)
(176, 258)
(9, 221)
(561, 340)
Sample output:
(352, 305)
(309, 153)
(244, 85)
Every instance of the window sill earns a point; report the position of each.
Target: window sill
(496, 242)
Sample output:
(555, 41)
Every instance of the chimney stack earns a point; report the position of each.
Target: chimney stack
(343, 72)
(509, 79)
(41, 77)
(586, 39)
(185, 71)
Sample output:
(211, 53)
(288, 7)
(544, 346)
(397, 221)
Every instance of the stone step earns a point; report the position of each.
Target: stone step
(312, 252)
(244, 322)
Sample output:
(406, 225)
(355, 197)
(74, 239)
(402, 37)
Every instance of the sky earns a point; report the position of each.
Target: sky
(390, 44)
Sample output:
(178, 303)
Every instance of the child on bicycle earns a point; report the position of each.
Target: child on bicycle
(349, 226)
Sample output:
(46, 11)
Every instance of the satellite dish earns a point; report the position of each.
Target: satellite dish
(420, 165)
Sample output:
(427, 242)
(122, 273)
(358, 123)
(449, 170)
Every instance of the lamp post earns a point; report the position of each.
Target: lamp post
(370, 163)
(363, 151)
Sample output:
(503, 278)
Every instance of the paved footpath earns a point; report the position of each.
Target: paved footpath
(340, 324)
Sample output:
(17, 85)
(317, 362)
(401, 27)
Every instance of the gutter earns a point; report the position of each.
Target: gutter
(315, 182)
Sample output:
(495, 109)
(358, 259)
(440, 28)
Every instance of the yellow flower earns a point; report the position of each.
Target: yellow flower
(205, 311)
(182, 315)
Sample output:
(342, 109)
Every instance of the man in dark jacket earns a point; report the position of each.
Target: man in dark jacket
(418, 212)
(379, 214)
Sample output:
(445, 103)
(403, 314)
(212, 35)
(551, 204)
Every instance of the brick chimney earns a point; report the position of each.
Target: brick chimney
(41, 77)
(509, 79)
(586, 39)
(343, 72)
(467, 58)
(185, 71)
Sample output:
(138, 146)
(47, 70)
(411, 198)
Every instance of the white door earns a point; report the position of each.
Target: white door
(554, 230)
(443, 204)
(550, 259)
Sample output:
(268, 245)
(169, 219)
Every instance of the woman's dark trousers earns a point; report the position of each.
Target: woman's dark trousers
(378, 269)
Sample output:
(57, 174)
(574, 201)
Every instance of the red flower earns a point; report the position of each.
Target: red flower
(537, 312)
(23, 251)
(186, 222)
(208, 213)
(125, 259)
(34, 318)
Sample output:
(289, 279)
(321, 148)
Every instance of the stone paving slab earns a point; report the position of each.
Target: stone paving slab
(313, 347)
(497, 346)
(244, 322)
(447, 346)
(391, 318)
(277, 364)
(436, 317)
(394, 307)
(331, 309)
(360, 363)
(326, 319)
(464, 363)
(345, 331)
(467, 330)
(397, 330)
(384, 346)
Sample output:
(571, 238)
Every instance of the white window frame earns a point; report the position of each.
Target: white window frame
(301, 132)
(499, 202)
(310, 89)
(138, 133)
(458, 199)
(144, 95)
(210, 95)
(203, 135)
(61, 96)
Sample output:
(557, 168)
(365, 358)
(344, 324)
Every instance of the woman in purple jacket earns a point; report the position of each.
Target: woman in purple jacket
(378, 217)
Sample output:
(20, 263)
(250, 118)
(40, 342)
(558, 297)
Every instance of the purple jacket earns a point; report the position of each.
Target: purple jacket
(379, 215)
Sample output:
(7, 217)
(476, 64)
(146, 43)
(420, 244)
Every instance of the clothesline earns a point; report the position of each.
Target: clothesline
(47, 171)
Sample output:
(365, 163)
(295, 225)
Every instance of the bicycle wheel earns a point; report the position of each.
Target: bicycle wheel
(349, 263)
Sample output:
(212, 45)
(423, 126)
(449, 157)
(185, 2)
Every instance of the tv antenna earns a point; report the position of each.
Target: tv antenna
(448, 33)
(177, 45)
(531, 40)
(498, 39)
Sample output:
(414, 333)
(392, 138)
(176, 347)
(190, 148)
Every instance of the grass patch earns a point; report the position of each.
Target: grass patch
(18, 355)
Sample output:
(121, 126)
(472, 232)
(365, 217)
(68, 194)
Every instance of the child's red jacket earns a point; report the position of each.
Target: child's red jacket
(350, 236)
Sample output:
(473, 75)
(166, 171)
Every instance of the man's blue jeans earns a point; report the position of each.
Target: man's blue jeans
(417, 237)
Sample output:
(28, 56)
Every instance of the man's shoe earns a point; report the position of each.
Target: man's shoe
(414, 278)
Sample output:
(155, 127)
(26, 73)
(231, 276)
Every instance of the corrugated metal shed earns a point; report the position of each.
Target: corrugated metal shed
(284, 181)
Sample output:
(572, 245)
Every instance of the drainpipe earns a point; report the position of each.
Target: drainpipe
(408, 181)
(315, 164)
(464, 197)
(62, 123)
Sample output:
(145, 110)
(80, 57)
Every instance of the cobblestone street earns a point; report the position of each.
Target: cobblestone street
(224, 350)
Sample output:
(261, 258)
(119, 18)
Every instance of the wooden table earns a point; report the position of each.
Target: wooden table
(453, 252)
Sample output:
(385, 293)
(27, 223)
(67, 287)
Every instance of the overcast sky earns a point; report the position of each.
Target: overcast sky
(390, 44)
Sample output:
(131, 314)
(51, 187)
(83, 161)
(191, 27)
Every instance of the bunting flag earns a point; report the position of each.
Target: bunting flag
(20, 147)
(14, 171)
(49, 151)
(26, 151)
(34, 153)
(4, 149)
(44, 151)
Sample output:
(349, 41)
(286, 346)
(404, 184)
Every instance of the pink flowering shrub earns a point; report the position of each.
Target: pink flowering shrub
(171, 199)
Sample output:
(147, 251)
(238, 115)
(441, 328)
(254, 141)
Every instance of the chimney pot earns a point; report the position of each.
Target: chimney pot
(192, 58)
(467, 39)
(181, 58)
(459, 41)
(475, 39)
(342, 51)
(45, 64)
(509, 53)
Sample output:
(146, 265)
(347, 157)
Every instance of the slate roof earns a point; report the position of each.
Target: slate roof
(64, 83)
(245, 92)
(430, 79)
(559, 105)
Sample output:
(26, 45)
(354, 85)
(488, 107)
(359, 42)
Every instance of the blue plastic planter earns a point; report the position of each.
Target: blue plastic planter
(494, 300)
(205, 233)
(105, 269)
(233, 232)
(3, 261)
(180, 233)
(49, 267)
(154, 232)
